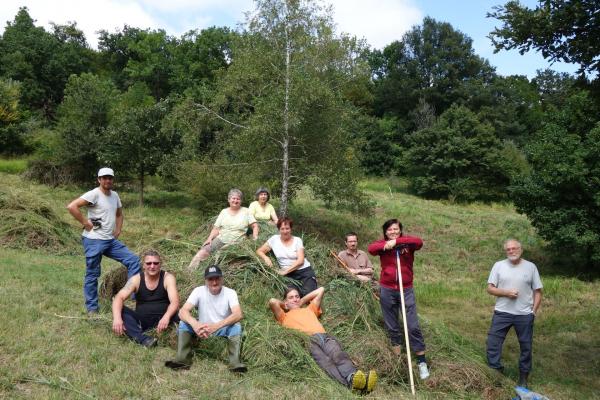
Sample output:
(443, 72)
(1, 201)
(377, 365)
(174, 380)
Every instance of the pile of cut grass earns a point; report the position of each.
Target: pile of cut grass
(29, 222)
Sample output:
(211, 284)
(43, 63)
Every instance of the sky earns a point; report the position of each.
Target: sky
(378, 21)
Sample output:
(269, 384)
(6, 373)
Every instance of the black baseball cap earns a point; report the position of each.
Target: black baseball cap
(212, 271)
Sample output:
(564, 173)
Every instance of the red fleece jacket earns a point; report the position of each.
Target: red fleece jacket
(407, 245)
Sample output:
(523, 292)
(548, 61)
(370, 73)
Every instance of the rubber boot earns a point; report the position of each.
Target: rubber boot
(183, 360)
(234, 346)
(523, 378)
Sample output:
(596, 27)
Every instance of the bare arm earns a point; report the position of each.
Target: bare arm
(235, 316)
(296, 264)
(119, 223)
(537, 300)
(214, 232)
(315, 297)
(171, 288)
(494, 291)
(278, 308)
(255, 230)
(74, 210)
(185, 314)
(130, 287)
(262, 253)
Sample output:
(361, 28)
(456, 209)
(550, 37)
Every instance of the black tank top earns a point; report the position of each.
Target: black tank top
(152, 302)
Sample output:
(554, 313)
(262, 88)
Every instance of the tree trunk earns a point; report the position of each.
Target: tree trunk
(141, 202)
(285, 143)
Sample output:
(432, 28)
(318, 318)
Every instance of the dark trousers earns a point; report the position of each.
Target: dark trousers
(501, 324)
(390, 307)
(136, 324)
(307, 277)
(328, 354)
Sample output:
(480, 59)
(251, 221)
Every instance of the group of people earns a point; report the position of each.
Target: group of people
(514, 281)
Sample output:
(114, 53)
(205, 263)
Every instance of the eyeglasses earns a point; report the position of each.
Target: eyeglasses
(152, 262)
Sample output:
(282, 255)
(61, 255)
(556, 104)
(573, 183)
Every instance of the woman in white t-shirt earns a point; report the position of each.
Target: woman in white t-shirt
(229, 228)
(289, 251)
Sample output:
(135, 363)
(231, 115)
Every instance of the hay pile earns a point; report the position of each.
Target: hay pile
(26, 221)
(351, 313)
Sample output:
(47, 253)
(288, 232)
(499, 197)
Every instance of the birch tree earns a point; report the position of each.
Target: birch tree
(284, 100)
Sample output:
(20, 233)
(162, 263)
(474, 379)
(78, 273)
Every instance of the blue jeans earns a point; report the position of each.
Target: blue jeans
(226, 331)
(94, 250)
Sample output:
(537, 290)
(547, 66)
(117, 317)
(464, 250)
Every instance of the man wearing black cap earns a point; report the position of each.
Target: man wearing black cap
(219, 313)
(101, 229)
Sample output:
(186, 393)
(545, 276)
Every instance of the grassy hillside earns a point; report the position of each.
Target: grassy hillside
(49, 349)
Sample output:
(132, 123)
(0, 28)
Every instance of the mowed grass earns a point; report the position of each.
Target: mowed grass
(13, 165)
(49, 349)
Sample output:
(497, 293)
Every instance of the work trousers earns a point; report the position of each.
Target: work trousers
(307, 278)
(501, 324)
(328, 354)
(136, 324)
(390, 307)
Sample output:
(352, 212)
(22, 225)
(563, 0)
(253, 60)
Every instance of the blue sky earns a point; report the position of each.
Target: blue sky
(379, 21)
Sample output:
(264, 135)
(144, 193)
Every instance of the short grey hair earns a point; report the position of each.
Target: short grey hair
(507, 241)
(235, 191)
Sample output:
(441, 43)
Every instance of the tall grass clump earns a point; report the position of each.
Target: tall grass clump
(27, 221)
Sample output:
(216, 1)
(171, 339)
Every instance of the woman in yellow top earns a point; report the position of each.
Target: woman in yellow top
(261, 209)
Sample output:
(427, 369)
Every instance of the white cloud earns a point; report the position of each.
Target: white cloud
(379, 21)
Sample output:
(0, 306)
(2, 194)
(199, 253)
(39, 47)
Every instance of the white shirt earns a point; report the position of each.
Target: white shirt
(104, 208)
(287, 255)
(213, 308)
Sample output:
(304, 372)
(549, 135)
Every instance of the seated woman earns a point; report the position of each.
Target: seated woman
(261, 209)
(229, 228)
(289, 251)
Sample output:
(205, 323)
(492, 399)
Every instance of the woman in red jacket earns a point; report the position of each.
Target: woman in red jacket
(394, 242)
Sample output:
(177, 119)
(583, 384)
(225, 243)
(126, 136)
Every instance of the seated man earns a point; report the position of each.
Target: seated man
(156, 298)
(356, 260)
(219, 313)
(324, 348)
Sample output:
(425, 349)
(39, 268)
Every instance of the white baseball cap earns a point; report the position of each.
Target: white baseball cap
(106, 172)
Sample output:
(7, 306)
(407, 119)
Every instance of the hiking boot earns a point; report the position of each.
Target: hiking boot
(423, 371)
(183, 360)
(371, 381)
(397, 350)
(359, 380)
(234, 346)
(149, 342)
(523, 379)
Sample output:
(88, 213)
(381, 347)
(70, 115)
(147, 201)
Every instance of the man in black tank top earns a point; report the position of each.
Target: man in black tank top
(157, 302)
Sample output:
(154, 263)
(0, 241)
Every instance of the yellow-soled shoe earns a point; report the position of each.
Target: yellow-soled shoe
(359, 380)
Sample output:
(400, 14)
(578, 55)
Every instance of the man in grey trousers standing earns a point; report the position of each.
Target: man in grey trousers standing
(518, 289)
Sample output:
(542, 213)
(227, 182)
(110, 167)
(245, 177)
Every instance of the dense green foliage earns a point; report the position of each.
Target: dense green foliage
(287, 102)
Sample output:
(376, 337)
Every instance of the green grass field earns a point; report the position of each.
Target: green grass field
(49, 349)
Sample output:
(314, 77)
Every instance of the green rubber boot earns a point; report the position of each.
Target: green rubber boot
(234, 345)
(183, 360)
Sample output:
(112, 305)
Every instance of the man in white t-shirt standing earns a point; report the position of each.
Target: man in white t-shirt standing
(219, 314)
(518, 289)
(101, 230)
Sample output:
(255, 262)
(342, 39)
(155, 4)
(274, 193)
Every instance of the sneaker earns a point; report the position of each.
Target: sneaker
(149, 342)
(423, 371)
(359, 380)
(371, 381)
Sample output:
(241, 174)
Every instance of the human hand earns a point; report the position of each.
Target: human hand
(210, 329)
(282, 272)
(88, 226)
(163, 324)
(390, 244)
(206, 242)
(512, 293)
(118, 327)
(116, 233)
(199, 328)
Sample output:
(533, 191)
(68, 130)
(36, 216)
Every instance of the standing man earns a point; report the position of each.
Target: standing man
(518, 289)
(157, 302)
(101, 229)
(219, 314)
(325, 349)
(357, 260)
